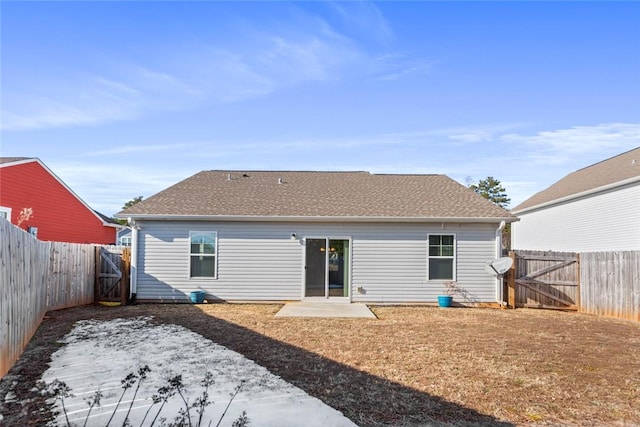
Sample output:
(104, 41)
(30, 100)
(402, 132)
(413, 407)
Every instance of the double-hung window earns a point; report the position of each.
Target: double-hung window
(5, 213)
(203, 253)
(442, 255)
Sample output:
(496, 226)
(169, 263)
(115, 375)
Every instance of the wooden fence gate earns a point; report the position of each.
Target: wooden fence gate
(541, 279)
(113, 264)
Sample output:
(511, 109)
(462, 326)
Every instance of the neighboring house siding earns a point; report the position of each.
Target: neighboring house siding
(608, 221)
(57, 213)
(259, 261)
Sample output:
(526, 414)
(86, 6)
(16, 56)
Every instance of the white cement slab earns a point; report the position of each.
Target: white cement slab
(325, 309)
(98, 354)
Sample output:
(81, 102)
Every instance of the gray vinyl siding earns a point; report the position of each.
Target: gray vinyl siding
(390, 264)
(607, 221)
(260, 262)
(253, 263)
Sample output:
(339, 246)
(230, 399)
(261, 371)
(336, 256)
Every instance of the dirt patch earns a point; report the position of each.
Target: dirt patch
(411, 366)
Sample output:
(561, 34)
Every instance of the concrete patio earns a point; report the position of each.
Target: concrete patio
(325, 309)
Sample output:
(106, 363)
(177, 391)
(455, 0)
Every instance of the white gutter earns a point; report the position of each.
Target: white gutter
(266, 218)
(133, 275)
(499, 283)
(578, 195)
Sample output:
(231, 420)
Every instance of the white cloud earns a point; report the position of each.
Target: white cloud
(394, 66)
(524, 163)
(39, 112)
(253, 59)
(254, 62)
(563, 145)
(473, 136)
(482, 151)
(112, 88)
(364, 18)
(128, 93)
(106, 187)
(313, 59)
(138, 149)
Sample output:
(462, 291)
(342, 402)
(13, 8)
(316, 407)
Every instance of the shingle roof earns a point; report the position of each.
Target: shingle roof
(106, 219)
(616, 169)
(318, 194)
(13, 159)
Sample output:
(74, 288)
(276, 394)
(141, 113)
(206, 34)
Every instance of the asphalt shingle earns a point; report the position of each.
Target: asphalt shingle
(619, 168)
(318, 194)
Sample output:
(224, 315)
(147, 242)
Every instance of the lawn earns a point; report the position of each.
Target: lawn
(411, 366)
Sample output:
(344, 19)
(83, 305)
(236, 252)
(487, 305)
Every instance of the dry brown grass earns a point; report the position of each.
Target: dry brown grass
(412, 365)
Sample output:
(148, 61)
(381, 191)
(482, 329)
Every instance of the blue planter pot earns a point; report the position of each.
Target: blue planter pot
(197, 297)
(444, 300)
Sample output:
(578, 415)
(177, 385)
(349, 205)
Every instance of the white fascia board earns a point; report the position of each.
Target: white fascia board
(18, 162)
(108, 224)
(579, 195)
(263, 218)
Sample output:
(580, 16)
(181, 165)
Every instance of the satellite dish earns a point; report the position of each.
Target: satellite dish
(498, 266)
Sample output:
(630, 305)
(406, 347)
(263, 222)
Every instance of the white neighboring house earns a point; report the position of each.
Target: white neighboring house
(347, 236)
(124, 237)
(596, 208)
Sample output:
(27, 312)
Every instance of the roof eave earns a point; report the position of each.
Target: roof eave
(269, 218)
(109, 224)
(19, 162)
(578, 195)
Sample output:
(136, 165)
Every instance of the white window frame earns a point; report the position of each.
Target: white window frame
(214, 255)
(128, 239)
(454, 257)
(7, 211)
(304, 263)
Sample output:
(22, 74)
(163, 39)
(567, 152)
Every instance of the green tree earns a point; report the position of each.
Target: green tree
(491, 189)
(128, 205)
(132, 202)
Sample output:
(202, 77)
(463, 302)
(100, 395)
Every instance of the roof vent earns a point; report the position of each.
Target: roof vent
(279, 180)
(633, 162)
(228, 177)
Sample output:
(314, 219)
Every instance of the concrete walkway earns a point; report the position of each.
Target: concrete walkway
(325, 309)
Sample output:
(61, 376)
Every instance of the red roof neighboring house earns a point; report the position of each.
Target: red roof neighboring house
(33, 198)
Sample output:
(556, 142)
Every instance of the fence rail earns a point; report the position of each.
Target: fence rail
(603, 283)
(545, 279)
(35, 277)
(113, 264)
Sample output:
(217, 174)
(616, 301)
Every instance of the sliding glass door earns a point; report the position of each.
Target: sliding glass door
(327, 268)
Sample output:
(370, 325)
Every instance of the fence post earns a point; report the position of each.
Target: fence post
(578, 282)
(125, 267)
(96, 267)
(511, 281)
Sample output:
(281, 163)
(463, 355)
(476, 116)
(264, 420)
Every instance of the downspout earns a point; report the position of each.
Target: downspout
(499, 285)
(133, 275)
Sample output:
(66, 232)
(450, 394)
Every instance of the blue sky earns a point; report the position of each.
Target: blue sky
(122, 99)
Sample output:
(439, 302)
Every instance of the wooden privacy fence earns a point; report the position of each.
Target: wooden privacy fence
(603, 283)
(611, 284)
(36, 277)
(540, 279)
